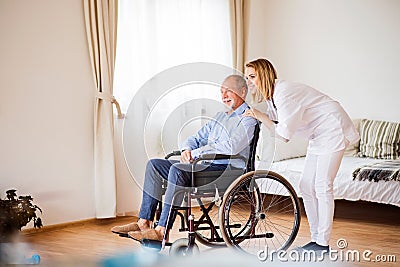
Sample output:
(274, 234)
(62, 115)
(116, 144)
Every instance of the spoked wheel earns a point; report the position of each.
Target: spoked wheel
(180, 248)
(260, 211)
(207, 231)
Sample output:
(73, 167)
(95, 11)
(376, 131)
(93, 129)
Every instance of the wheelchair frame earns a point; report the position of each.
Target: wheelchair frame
(242, 193)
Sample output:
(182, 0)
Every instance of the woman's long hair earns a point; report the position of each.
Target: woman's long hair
(266, 74)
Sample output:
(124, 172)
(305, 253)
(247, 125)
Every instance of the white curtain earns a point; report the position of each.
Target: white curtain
(155, 35)
(238, 23)
(101, 26)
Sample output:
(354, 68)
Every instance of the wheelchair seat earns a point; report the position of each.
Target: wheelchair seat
(206, 181)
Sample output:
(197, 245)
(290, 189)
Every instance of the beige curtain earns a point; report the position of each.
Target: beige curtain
(101, 29)
(238, 17)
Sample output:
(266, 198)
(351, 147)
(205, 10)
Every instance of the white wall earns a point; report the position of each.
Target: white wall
(46, 107)
(348, 49)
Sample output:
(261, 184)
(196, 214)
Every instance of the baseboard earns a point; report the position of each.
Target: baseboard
(128, 213)
(59, 226)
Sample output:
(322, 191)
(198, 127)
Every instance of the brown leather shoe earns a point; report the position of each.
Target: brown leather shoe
(124, 229)
(147, 234)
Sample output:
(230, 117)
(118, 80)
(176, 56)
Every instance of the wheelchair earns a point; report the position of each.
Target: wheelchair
(248, 210)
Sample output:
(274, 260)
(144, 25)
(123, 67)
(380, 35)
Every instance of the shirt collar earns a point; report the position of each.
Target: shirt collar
(241, 109)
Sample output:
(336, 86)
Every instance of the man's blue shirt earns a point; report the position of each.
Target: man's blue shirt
(224, 134)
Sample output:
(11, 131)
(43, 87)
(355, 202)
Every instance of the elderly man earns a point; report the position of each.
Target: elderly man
(227, 133)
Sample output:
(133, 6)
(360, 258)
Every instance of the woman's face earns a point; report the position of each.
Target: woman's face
(252, 79)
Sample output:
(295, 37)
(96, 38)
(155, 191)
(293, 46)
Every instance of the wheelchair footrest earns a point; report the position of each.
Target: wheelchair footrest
(153, 244)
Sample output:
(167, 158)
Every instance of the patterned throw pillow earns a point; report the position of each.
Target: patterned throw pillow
(379, 139)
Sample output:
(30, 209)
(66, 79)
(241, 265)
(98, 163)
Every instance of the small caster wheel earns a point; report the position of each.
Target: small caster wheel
(151, 245)
(180, 248)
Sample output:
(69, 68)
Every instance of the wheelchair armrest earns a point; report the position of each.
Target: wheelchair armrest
(173, 153)
(218, 156)
(207, 156)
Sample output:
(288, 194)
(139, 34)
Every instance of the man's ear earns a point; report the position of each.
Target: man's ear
(243, 93)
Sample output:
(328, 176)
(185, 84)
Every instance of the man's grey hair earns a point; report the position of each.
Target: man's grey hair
(239, 81)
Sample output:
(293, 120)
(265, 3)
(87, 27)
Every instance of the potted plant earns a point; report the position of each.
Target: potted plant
(15, 213)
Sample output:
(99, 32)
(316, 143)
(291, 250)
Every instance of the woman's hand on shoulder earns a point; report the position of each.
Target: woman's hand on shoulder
(254, 113)
(258, 115)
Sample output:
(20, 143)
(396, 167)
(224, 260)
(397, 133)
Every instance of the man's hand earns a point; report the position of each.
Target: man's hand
(186, 156)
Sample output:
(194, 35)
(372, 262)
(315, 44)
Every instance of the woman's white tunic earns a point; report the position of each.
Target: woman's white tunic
(303, 110)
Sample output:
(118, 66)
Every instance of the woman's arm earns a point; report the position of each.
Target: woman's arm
(258, 115)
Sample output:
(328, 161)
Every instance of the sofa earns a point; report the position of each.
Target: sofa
(380, 142)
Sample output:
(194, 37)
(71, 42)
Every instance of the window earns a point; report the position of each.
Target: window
(154, 35)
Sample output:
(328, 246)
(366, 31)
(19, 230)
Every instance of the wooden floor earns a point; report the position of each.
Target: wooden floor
(364, 226)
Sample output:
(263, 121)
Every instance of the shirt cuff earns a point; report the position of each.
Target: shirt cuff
(195, 153)
(184, 148)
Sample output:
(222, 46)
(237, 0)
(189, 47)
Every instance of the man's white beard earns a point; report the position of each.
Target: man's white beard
(230, 107)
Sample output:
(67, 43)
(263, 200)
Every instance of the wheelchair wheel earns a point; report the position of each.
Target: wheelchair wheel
(180, 248)
(260, 211)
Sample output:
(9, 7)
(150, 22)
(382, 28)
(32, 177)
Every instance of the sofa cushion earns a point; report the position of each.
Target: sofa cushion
(379, 139)
(295, 148)
(271, 149)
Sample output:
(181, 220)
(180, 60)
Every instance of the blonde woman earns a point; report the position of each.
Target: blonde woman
(303, 110)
